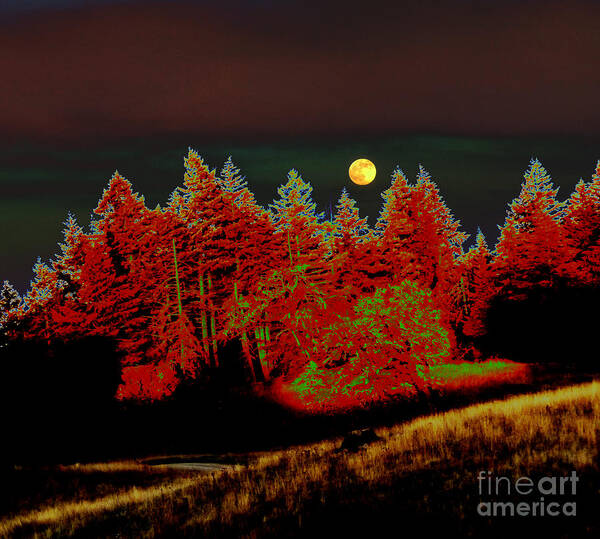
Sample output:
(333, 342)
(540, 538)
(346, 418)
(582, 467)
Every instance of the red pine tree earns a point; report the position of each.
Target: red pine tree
(418, 234)
(232, 182)
(10, 306)
(531, 250)
(581, 229)
(349, 228)
(474, 289)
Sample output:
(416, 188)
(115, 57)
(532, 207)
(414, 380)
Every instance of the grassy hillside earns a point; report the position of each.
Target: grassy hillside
(421, 473)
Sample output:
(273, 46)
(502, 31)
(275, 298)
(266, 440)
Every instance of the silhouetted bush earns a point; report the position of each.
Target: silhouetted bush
(549, 325)
(57, 396)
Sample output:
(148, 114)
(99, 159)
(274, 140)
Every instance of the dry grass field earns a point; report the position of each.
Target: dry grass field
(421, 474)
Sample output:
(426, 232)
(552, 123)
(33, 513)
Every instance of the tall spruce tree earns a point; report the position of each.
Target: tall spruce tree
(531, 249)
(581, 229)
(348, 227)
(232, 182)
(10, 302)
(417, 234)
(474, 288)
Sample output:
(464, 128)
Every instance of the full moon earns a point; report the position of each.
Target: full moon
(362, 172)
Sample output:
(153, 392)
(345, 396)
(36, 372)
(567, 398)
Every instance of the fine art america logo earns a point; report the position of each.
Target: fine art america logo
(547, 496)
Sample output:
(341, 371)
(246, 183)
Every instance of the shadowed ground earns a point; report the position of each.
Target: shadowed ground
(419, 475)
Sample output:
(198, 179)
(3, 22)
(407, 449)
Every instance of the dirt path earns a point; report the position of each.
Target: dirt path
(197, 463)
(196, 466)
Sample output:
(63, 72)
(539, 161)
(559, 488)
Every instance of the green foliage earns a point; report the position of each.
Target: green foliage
(379, 349)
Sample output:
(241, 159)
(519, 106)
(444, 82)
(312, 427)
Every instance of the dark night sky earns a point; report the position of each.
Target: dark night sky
(303, 67)
(304, 84)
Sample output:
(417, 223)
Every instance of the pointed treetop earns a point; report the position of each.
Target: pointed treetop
(392, 197)
(295, 203)
(479, 253)
(582, 209)
(197, 171)
(532, 233)
(230, 179)
(425, 183)
(199, 185)
(72, 234)
(422, 174)
(596, 175)
(398, 179)
(536, 189)
(9, 297)
(480, 241)
(41, 269)
(447, 225)
(537, 178)
(42, 286)
(72, 230)
(119, 194)
(10, 300)
(594, 185)
(347, 221)
(198, 181)
(175, 200)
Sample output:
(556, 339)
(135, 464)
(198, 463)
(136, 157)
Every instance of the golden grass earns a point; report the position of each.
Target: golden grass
(556, 429)
(105, 467)
(565, 420)
(78, 511)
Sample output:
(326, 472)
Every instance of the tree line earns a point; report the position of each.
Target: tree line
(212, 285)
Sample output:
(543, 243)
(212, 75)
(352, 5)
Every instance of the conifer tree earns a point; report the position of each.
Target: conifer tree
(383, 255)
(37, 303)
(448, 228)
(68, 262)
(474, 288)
(299, 227)
(118, 205)
(581, 228)
(295, 212)
(121, 222)
(395, 202)
(348, 227)
(174, 285)
(10, 302)
(226, 247)
(52, 308)
(531, 250)
(231, 181)
(123, 274)
(42, 287)
(9, 298)
(295, 296)
(414, 240)
(349, 237)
